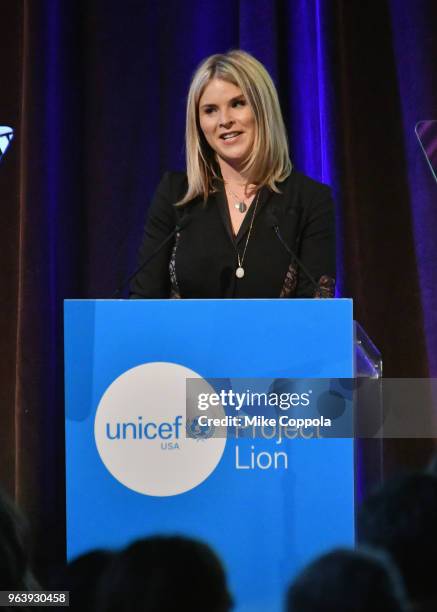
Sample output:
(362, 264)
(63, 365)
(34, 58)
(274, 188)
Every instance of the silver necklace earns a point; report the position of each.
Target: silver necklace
(240, 205)
(239, 272)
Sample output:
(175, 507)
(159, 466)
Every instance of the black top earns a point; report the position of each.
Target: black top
(200, 262)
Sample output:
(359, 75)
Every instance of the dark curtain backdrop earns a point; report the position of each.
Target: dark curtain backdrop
(96, 89)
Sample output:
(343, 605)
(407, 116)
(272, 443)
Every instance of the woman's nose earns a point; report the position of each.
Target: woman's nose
(225, 120)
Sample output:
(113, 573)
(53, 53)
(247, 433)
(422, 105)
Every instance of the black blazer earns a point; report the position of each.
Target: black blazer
(202, 259)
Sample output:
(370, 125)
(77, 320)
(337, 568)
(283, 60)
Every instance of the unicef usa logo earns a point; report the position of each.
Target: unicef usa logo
(142, 434)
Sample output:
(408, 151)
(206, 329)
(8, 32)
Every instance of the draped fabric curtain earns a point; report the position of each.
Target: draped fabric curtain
(95, 91)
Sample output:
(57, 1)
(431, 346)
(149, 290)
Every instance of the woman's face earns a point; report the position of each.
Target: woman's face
(227, 121)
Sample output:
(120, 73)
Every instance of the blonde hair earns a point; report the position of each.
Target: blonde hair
(269, 160)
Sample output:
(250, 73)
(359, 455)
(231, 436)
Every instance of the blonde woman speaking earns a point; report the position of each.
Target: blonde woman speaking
(241, 222)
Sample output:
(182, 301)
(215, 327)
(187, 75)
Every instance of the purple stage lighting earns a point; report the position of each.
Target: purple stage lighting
(426, 132)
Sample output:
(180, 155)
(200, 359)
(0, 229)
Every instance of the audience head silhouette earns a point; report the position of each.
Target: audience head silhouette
(347, 581)
(165, 574)
(15, 573)
(81, 577)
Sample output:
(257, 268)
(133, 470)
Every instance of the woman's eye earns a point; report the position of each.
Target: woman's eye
(239, 103)
(208, 111)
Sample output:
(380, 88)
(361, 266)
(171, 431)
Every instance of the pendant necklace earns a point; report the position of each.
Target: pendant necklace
(239, 272)
(240, 205)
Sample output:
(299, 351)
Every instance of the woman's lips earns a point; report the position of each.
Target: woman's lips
(225, 139)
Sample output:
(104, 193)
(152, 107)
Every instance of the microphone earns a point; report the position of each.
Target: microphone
(274, 224)
(181, 225)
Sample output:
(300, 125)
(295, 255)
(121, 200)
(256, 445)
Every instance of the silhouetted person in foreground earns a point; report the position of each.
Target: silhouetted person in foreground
(165, 574)
(81, 578)
(15, 571)
(401, 519)
(347, 581)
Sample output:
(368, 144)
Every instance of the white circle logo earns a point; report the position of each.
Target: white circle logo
(140, 431)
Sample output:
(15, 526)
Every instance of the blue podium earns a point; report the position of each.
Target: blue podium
(268, 504)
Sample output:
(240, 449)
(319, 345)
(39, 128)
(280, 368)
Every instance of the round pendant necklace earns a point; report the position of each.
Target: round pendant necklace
(240, 205)
(239, 272)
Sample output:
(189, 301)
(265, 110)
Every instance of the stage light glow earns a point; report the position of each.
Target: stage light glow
(426, 132)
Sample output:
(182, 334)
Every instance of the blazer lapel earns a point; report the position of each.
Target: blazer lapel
(224, 213)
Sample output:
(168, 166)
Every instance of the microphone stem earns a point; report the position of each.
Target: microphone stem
(144, 263)
(295, 258)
